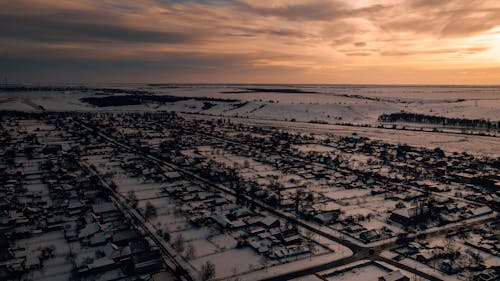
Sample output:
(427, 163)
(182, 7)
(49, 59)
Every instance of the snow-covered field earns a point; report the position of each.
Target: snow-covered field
(332, 104)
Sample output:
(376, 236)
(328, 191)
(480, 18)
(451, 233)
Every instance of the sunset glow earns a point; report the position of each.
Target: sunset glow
(299, 41)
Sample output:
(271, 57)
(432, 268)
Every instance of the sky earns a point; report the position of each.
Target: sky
(251, 41)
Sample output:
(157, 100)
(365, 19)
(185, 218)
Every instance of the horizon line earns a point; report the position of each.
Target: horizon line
(48, 84)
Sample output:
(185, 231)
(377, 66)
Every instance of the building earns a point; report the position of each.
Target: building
(409, 216)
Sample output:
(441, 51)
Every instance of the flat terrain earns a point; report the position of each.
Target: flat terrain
(260, 183)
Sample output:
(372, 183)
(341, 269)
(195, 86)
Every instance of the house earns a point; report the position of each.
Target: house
(222, 221)
(369, 236)
(102, 264)
(99, 239)
(205, 195)
(269, 222)
(101, 208)
(480, 211)
(240, 213)
(147, 266)
(394, 276)
(449, 267)
(408, 216)
(88, 230)
(75, 206)
(173, 176)
(291, 239)
(489, 274)
(327, 217)
(125, 236)
(429, 255)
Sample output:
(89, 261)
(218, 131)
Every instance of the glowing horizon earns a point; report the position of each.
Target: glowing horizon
(223, 41)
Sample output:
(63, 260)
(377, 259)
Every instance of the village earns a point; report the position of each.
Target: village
(163, 196)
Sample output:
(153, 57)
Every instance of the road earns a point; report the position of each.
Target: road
(174, 260)
(170, 257)
(360, 253)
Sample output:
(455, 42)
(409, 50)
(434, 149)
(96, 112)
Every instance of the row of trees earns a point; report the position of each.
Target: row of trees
(440, 120)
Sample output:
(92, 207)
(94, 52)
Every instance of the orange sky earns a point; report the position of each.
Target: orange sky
(258, 41)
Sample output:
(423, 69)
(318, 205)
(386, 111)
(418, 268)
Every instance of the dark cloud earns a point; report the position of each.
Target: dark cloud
(158, 67)
(271, 31)
(70, 26)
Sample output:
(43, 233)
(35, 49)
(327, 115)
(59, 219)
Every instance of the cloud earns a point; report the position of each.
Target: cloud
(413, 52)
(358, 54)
(445, 18)
(311, 10)
(242, 38)
(65, 29)
(68, 24)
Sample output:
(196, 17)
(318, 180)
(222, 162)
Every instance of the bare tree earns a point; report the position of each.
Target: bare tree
(190, 252)
(179, 243)
(132, 198)
(207, 271)
(150, 211)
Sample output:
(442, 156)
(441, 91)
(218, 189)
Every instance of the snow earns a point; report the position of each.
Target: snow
(362, 273)
(230, 262)
(203, 247)
(332, 104)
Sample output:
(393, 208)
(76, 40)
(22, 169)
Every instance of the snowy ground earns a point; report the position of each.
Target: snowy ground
(330, 103)
(209, 244)
(335, 104)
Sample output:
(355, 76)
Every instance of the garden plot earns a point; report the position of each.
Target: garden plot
(194, 233)
(168, 216)
(223, 241)
(248, 168)
(341, 193)
(232, 262)
(352, 211)
(203, 248)
(55, 267)
(369, 271)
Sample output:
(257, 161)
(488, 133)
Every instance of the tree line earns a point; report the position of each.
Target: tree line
(440, 120)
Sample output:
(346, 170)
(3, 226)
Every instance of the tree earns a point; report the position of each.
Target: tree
(207, 271)
(150, 211)
(298, 198)
(132, 198)
(166, 234)
(190, 252)
(276, 187)
(179, 243)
